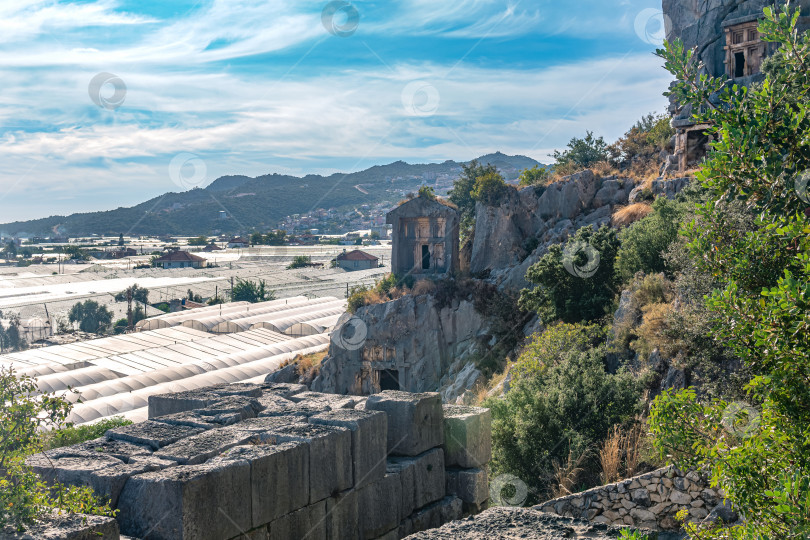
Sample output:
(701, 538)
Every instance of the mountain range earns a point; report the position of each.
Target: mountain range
(259, 203)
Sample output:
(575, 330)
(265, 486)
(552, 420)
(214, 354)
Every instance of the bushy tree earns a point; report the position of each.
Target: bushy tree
(536, 176)
(489, 189)
(581, 153)
(198, 241)
(427, 192)
(134, 294)
(643, 142)
(24, 415)
(251, 291)
(644, 242)
(577, 281)
(562, 408)
(461, 194)
(759, 454)
(91, 316)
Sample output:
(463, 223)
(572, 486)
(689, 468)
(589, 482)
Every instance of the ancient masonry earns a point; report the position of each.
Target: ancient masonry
(275, 461)
(647, 501)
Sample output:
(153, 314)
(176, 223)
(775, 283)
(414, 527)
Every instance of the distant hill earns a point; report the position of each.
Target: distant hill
(258, 202)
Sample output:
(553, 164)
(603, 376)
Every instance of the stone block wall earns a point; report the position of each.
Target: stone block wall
(274, 461)
(647, 501)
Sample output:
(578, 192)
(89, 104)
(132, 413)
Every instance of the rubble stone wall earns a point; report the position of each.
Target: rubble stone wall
(275, 461)
(647, 501)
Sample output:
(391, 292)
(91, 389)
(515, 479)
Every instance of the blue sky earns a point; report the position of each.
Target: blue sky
(107, 103)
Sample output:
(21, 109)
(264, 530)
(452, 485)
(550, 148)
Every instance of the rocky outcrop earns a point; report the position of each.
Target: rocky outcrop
(515, 522)
(411, 341)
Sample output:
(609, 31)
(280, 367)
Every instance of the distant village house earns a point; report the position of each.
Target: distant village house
(180, 259)
(357, 260)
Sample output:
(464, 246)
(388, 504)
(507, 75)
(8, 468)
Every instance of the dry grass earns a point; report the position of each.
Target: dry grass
(652, 330)
(630, 214)
(565, 476)
(620, 455)
(424, 286)
(308, 366)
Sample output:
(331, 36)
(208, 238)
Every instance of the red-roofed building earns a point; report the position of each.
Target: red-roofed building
(180, 259)
(357, 260)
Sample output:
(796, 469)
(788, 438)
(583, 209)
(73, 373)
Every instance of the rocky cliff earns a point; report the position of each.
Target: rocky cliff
(512, 236)
(412, 341)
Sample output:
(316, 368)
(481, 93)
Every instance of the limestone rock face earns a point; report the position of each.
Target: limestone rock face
(410, 338)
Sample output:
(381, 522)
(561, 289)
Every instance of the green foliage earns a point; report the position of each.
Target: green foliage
(130, 295)
(273, 238)
(300, 261)
(69, 435)
(91, 316)
(427, 192)
(628, 534)
(581, 153)
(643, 142)
(24, 496)
(643, 243)
(75, 253)
(536, 176)
(163, 306)
(461, 194)
(550, 346)
(564, 409)
(576, 282)
(758, 454)
(10, 251)
(489, 189)
(11, 338)
(251, 291)
(383, 290)
(198, 241)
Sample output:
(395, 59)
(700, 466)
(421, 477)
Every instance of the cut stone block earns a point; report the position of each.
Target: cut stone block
(330, 456)
(432, 516)
(308, 522)
(469, 485)
(414, 420)
(122, 450)
(104, 474)
(199, 502)
(154, 434)
(231, 409)
(422, 477)
(369, 431)
(66, 527)
(267, 424)
(305, 409)
(379, 513)
(155, 462)
(202, 447)
(188, 418)
(279, 478)
(268, 400)
(284, 390)
(334, 401)
(236, 389)
(163, 404)
(342, 519)
(467, 436)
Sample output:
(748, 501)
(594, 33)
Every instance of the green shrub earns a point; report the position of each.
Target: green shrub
(581, 153)
(643, 243)
(576, 282)
(300, 261)
(251, 291)
(70, 434)
(23, 495)
(91, 316)
(489, 189)
(561, 411)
